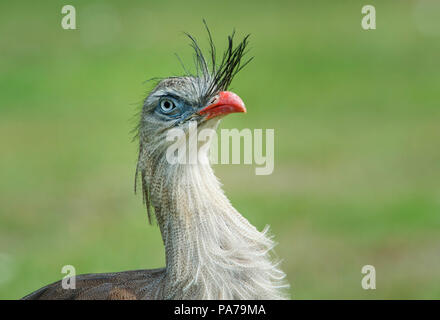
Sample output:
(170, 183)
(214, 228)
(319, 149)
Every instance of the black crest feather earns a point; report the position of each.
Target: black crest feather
(218, 75)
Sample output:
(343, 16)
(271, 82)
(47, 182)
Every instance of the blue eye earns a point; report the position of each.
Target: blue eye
(167, 105)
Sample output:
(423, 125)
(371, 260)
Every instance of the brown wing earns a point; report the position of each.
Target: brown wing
(127, 285)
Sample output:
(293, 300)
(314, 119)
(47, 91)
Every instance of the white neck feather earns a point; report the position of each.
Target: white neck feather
(212, 251)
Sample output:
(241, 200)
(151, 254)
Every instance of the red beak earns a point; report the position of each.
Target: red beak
(227, 102)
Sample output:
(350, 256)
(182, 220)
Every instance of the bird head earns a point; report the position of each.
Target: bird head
(176, 102)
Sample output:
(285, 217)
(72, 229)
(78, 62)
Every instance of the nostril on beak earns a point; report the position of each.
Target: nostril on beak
(214, 100)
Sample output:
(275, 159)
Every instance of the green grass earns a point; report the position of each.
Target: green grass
(356, 118)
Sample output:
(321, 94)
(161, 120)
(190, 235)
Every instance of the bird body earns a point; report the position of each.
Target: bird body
(212, 251)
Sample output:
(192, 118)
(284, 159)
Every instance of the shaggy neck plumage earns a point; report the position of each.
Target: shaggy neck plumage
(212, 252)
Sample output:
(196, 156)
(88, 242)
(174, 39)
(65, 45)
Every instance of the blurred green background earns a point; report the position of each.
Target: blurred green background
(357, 128)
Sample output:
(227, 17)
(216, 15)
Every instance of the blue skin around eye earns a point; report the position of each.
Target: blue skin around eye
(181, 109)
(175, 112)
